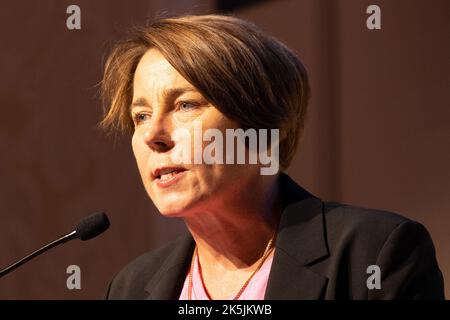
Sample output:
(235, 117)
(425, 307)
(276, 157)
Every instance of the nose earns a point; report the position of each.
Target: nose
(157, 134)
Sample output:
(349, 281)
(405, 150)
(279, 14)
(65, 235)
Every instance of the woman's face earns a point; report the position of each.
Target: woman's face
(163, 101)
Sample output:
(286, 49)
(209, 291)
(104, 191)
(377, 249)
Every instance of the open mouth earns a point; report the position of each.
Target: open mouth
(166, 175)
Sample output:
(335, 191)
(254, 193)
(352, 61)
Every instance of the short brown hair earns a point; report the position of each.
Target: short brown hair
(248, 75)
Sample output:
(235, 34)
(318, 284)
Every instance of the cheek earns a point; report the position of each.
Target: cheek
(134, 146)
(138, 151)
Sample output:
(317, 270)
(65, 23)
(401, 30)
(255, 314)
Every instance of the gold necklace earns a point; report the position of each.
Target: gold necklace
(263, 258)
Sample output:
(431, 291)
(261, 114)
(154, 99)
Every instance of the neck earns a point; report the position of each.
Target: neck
(235, 235)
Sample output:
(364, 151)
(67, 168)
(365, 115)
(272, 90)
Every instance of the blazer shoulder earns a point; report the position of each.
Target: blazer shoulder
(401, 248)
(129, 283)
(359, 220)
(367, 230)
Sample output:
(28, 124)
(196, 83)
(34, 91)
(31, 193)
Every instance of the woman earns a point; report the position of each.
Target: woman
(251, 235)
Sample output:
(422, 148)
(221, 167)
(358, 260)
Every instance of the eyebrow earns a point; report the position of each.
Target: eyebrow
(168, 94)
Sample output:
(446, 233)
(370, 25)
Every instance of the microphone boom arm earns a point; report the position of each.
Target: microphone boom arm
(61, 240)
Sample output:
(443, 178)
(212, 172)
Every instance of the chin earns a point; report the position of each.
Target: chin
(171, 213)
(172, 207)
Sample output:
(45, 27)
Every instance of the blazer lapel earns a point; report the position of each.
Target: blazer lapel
(168, 281)
(301, 241)
(289, 280)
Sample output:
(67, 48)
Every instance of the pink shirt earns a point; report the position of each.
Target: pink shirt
(255, 290)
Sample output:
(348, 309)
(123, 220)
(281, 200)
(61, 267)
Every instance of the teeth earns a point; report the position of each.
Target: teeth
(166, 171)
(167, 176)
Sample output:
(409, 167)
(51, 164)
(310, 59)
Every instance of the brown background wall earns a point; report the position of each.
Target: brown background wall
(378, 133)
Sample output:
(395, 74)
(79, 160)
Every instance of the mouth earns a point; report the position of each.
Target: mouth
(167, 175)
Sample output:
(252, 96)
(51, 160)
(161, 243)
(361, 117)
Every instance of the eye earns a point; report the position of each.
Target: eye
(186, 105)
(140, 117)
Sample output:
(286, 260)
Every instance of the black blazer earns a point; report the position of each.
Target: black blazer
(322, 251)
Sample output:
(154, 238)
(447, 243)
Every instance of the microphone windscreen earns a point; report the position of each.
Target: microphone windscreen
(92, 226)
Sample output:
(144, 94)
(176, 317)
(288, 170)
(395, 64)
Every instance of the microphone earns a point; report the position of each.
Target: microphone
(88, 228)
